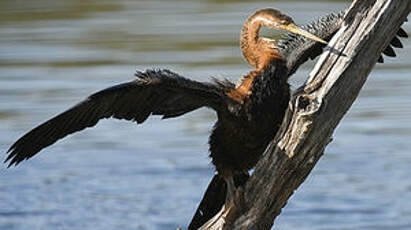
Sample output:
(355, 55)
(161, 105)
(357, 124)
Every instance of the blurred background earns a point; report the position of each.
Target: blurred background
(122, 176)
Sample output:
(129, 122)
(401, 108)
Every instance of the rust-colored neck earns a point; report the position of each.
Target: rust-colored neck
(257, 51)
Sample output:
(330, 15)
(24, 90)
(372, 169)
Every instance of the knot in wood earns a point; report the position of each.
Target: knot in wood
(307, 104)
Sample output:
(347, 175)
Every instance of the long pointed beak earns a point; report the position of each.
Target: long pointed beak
(294, 29)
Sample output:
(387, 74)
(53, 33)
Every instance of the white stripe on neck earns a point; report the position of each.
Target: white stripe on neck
(265, 20)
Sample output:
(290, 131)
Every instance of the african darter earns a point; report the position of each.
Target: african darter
(295, 50)
(249, 113)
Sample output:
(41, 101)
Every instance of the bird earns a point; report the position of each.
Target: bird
(249, 113)
(296, 50)
(257, 100)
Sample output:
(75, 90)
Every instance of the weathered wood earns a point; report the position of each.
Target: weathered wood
(314, 113)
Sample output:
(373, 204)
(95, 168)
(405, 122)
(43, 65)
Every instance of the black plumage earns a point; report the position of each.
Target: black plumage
(154, 92)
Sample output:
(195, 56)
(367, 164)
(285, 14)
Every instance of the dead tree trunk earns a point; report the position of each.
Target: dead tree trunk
(315, 112)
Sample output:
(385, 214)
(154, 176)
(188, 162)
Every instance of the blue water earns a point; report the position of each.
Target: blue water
(120, 175)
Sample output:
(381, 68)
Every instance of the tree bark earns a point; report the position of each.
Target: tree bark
(314, 112)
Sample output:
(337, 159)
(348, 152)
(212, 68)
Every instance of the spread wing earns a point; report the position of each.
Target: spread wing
(298, 49)
(160, 92)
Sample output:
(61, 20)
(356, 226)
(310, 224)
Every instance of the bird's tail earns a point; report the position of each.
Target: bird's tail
(214, 199)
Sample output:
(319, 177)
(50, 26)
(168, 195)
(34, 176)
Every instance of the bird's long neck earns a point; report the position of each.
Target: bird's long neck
(257, 51)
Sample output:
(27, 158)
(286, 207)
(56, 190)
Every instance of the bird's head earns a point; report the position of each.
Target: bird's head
(260, 51)
(274, 19)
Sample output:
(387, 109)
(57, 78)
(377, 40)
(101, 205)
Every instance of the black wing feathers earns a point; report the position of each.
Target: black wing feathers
(395, 42)
(160, 92)
(298, 49)
(402, 33)
(389, 51)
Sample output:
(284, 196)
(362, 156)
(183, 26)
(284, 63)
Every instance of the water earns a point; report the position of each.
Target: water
(122, 176)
